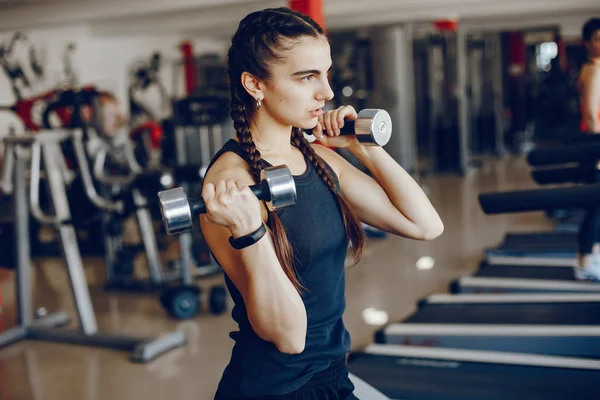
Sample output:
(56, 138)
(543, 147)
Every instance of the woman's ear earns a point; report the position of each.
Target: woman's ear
(253, 86)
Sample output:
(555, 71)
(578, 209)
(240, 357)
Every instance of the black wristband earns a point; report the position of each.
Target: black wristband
(248, 240)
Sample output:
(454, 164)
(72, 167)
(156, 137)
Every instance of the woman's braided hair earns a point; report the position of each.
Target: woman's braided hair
(258, 42)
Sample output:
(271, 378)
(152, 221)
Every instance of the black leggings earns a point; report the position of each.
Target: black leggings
(331, 384)
(589, 231)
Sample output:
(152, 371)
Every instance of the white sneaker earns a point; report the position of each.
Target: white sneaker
(590, 270)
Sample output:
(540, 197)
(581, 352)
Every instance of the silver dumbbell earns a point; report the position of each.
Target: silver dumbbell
(373, 127)
(277, 188)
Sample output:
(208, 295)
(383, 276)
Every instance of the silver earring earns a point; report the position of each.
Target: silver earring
(258, 104)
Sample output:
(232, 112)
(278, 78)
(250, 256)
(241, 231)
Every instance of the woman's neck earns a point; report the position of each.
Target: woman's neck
(271, 137)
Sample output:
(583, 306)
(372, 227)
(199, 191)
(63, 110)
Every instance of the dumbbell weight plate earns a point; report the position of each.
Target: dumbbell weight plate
(181, 302)
(281, 186)
(373, 127)
(175, 210)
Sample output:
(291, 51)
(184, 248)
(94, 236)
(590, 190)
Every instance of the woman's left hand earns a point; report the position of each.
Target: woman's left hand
(330, 124)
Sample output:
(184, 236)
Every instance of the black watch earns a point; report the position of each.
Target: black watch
(248, 240)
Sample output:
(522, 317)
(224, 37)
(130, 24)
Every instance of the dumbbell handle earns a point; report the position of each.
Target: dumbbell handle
(260, 190)
(373, 127)
(347, 129)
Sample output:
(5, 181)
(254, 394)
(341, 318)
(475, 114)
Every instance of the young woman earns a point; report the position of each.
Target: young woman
(589, 90)
(288, 286)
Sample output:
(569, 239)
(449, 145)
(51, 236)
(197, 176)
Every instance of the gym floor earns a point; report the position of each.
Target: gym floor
(387, 280)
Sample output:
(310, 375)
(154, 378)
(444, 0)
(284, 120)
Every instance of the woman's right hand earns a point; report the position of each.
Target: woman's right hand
(233, 206)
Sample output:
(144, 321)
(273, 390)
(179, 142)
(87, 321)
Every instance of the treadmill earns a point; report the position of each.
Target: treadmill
(423, 373)
(550, 324)
(514, 309)
(556, 273)
(494, 285)
(556, 249)
(552, 248)
(557, 340)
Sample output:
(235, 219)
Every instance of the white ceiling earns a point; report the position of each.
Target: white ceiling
(220, 17)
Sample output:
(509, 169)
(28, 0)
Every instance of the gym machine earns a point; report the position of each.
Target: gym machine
(46, 146)
(198, 132)
(488, 346)
(554, 248)
(510, 273)
(497, 285)
(569, 341)
(126, 191)
(550, 323)
(417, 373)
(538, 200)
(512, 308)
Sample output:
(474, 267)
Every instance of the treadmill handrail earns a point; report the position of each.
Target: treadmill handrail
(540, 199)
(513, 298)
(410, 328)
(587, 153)
(481, 356)
(528, 283)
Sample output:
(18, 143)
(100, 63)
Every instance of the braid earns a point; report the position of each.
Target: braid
(242, 129)
(352, 224)
(283, 250)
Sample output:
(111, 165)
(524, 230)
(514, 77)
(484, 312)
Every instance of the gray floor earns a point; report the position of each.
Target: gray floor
(386, 280)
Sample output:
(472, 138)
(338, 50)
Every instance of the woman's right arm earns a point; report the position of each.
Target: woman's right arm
(275, 309)
(591, 99)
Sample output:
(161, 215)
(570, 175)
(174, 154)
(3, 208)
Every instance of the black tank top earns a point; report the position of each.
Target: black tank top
(316, 233)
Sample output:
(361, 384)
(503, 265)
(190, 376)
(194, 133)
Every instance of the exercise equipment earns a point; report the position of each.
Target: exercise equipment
(554, 273)
(413, 372)
(552, 254)
(569, 341)
(373, 127)
(276, 188)
(578, 174)
(12, 68)
(540, 199)
(124, 196)
(197, 133)
(537, 249)
(469, 284)
(587, 153)
(48, 144)
(512, 308)
(543, 255)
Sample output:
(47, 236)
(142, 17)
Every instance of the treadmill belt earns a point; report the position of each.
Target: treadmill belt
(526, 272)
(411, 378)
(541, 246)
(543, 237)
(509, 313)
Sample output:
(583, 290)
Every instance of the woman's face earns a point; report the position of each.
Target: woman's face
(298, 88)
(594, 44)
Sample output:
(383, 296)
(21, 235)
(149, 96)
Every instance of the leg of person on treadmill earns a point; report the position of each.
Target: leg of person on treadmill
(589, 247)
